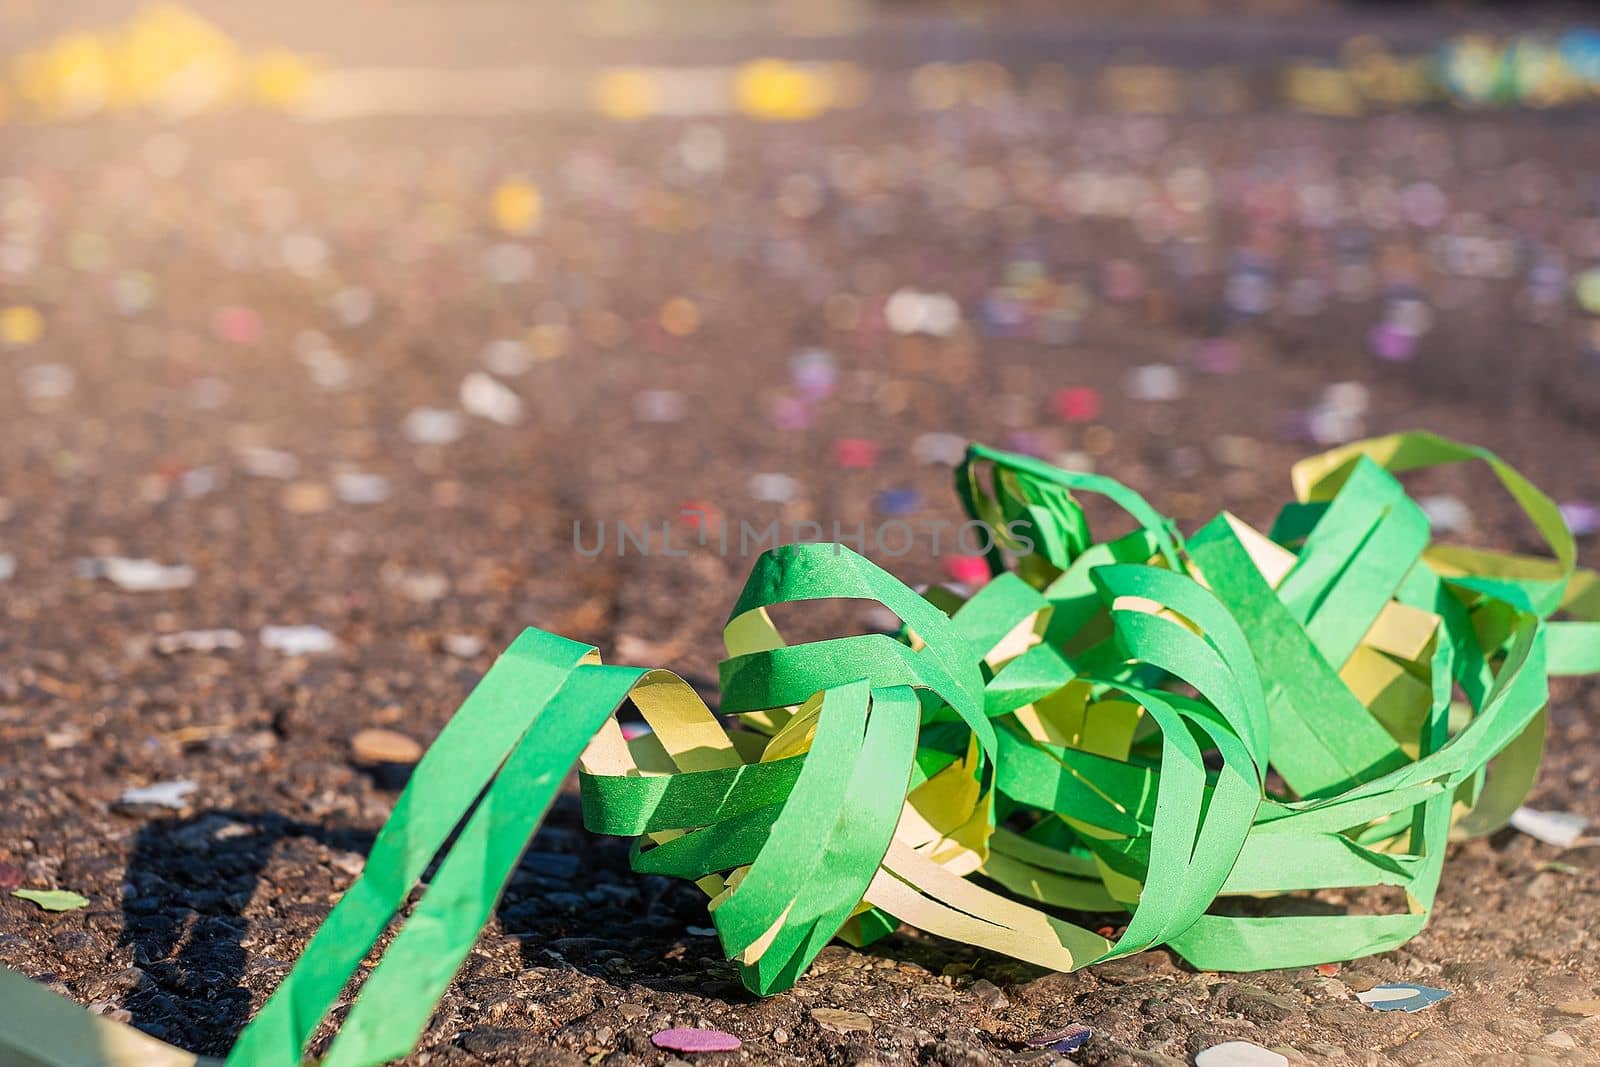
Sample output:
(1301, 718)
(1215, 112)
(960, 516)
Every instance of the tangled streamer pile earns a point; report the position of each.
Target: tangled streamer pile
(1193, 732)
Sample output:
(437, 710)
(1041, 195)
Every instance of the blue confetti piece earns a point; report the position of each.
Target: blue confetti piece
(897, 501)
(1402, 996)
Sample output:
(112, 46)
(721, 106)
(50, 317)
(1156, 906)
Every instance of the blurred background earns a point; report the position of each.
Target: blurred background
(322, 326)
(343, 315)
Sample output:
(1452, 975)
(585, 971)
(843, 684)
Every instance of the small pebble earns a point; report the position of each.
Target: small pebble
(464, 646)
(375, 745)
(1583, 518)
(839, 1021)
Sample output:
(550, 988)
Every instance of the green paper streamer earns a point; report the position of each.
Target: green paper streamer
(1193, 733)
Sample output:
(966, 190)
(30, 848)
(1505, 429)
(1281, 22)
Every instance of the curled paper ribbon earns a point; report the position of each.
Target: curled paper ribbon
(1191, 731)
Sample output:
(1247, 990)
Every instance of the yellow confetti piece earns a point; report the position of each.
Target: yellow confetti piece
(20, 325)
(680, 317)
(777, 90)
(518, 206)
(626, 94)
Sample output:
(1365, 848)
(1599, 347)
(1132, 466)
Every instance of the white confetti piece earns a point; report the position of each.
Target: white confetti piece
(355, 487)
(1154, 382)
(1560, 828)
(298, 640)
(489, 399)
(159, 795)
(1240, 1054)
(137, 575)
(432, 426)
(773, 488)
(198, 641)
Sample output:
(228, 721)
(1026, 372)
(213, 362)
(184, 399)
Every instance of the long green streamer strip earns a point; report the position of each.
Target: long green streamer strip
(1147, 725)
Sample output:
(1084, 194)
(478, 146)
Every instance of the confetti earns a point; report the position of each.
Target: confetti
(518, 207)
(946, 449)
(198, 641)
(355, 487)
(53, 899)
(684, 1039)
(1560, 828)
(773, 488)
(137, 575)
(464, 646)
(1069, 1039)
(896, 501)
(1582, 517)
(20, 325)
(432, 426)
(269, 463)
(1240, 1054)
(8, 566)
(854, 452)
(172, 795)
(489, 399)
(1154, 382)
(298, 640)
(660, 405)
(1076, 404)
(1402, 996)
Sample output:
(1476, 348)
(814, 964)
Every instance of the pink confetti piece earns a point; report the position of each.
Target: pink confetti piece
(855, 452)
(237, 325)
(1076, 403)
(685, 1039)
(968, 570)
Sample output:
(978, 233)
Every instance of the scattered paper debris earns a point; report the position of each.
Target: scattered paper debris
(1401, 996)
(269, 463)
(197, 641)
(1560, 828)
(1068, 1039)
(946, 449)
(137, 575)
(660, 405)
(8, 566)
(686, 1039)
(487, 398)
(298, 640)
(53, 899)
(1240, 1054)
(1154, 382)
(354, 487)
(432, 426)
(172, 795)
(773, 488)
